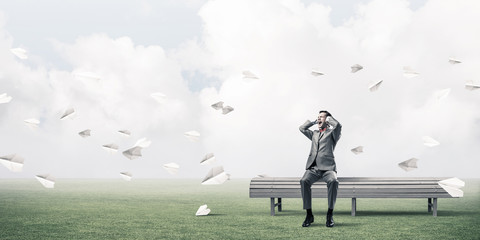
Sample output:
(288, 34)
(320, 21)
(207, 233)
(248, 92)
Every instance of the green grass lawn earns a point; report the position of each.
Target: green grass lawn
(165, 209)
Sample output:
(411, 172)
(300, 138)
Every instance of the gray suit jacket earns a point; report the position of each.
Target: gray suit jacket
(323, 144)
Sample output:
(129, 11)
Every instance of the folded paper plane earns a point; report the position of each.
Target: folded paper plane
(218, 105)
(248, 74)
(125, 133)
(192, 136)
(441, 94)
(452, 186)
(409, 165)
(171, 168)
(85, 133)
(357, 150)
(202, 211)
(69, 114)
(454, 61)
(133, 153)
(429, 141)
(356, 68)
(316, 72)
(208, 159)
(470, 85)
(408, 72)
(32, 123)
(46, 180)
(126, 176)
(111, 148)
(13, 162)
(375, 86)
(4, 98)
(19, 52)
(216, 175)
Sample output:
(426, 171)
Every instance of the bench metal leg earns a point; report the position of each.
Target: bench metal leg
(272, 206)
(429, 204)
(279, 204)
(435, 207)
(354, 206)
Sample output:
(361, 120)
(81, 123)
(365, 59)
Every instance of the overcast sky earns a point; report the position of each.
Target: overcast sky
(195, 51)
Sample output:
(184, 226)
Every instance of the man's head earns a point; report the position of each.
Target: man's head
(321, 119)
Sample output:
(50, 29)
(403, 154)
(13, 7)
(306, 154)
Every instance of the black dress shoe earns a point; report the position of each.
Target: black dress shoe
(308, 221)
(330, 222)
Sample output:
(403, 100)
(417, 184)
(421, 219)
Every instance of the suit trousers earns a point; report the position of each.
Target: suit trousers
(313, 175)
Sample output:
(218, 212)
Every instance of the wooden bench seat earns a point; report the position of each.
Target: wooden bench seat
(351, 187)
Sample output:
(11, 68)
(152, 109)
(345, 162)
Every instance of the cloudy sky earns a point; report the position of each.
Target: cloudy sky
(195, 51)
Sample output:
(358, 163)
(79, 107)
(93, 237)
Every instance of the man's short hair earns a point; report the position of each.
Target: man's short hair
(326, 112)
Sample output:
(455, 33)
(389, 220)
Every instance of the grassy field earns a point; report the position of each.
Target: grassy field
(165, 209)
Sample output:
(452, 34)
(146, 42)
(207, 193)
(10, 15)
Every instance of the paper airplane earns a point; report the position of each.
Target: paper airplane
(46, 180)
(469, 85)
(429, 141)
(85, 133)
(4, 98)
(262, 175)
(375, 86)
(248, 74)
(227, 109)
(172, 168)
(125, 133)
(133, 153)
(69, 113)
(13, 162)
(208, 159)
(316, 72)
(408, 72)
(218, 105)
(159, 97)
(408, 165)
(357, 150)
(441, 94)
(215, 176)
(193, 136)
(356, 68)
(126, 176)
(111, 148)
(86, 76)
(452, 186)
(143, 143)
(32, 123)
(19, 52)
(202, 211)
(453, 61)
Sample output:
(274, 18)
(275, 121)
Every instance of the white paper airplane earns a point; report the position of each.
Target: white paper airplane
(262, 175)
(375, 86)
(441, 94)
(19, 52)
(202, 211)
(133, 153)
(85, 133)
(248, 74)
(208, 159)
(356, 68)
(453, 61)
(111, 148)
(470, 85)
(227, 109)
(193, 136)
(316, 72)
(357, 150)
(216, 175)
(429, 141)
(125, 133)
(46, 180)
(172, 168)
(69, 114)
(408, 72)
(13, 162)
(409, 164)
(452, 186)
(32, 123)
(143, 143)
(126, 176)
(86, 76)
(4, 98)
(159, 97)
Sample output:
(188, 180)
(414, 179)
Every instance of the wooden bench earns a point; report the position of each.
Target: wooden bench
(351, 187)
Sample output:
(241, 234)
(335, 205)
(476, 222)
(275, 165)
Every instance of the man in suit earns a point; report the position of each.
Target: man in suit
(321, 163)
